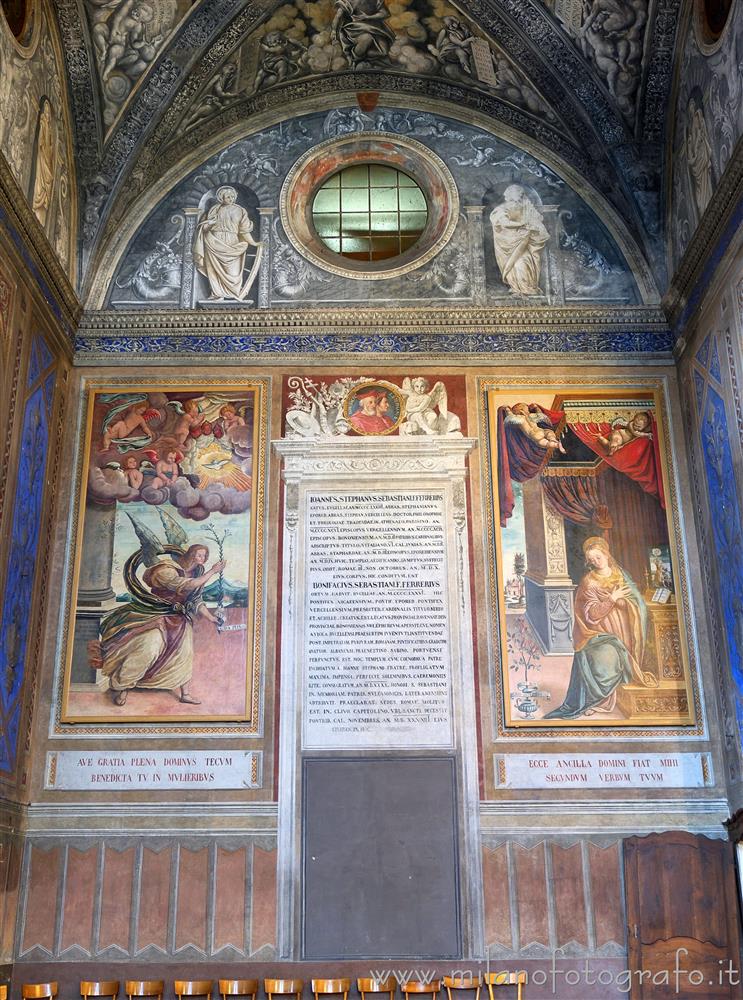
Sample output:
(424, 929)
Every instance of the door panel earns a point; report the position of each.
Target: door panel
(682, 912)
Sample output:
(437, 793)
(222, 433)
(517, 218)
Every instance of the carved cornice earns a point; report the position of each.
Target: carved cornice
(709, 245)
(125, 337)
(374, 456)
(33, 249)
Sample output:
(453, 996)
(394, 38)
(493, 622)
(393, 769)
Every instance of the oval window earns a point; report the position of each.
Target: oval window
(17, 13)
(370, 206)
(712, 18)
(369, 212)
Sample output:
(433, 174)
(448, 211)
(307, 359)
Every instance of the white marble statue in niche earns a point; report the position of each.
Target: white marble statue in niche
(45, 164)
(698, 154)
(223, 237)
(519, 237)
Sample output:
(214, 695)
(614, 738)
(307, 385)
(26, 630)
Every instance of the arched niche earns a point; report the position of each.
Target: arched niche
(478, 160)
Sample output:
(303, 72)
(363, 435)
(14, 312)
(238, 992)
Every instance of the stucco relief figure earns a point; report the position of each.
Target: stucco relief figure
(519, 236)
(223, 237)
(317, 409)
(45, 165)
(281, 58)
(360, 30)
(699, 156)
(127, 35)
(426, 409)
(453, 48)
(148, 643)
(612, 35)
(608, 634)
(219, 92)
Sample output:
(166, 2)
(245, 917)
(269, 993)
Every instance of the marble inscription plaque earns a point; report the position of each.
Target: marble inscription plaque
(377, 652)
(142, 770)
(604, 770)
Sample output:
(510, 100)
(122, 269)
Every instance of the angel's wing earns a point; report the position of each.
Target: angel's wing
(173, 531)
(438, 398)
(407, 385)
(150, 545)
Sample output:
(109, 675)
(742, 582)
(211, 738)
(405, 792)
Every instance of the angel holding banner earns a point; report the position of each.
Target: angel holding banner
(223, 237)
(148, 643)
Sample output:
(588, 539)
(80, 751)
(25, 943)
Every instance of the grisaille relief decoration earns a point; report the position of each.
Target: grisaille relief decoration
(421, 37)
(34, 129)
(587, 588)
(346, 406)
(167, 562)
(127, 36)
(708, 123)
(523, 235)
(610, 34)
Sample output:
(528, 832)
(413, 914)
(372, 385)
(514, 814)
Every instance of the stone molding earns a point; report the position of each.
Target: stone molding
(124, 337)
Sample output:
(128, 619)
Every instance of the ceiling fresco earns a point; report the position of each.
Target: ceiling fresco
(160, 85)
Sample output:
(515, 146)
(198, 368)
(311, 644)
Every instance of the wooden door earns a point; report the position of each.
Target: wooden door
(682, 916)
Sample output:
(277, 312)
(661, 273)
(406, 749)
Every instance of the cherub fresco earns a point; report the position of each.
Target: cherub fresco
(122, 420)
(623, 431)
(534, 424)
(173, 445)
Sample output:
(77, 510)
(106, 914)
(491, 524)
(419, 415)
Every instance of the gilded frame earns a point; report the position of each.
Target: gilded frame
(599, 389)
(258, 389)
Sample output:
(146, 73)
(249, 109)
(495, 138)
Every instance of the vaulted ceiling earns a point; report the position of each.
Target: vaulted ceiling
(155, 83)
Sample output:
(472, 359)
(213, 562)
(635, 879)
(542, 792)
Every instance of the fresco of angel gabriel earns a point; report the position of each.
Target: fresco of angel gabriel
(148, 643)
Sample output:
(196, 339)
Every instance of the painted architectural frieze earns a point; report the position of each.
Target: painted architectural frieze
(362, 406)
(166, 592)
(523, 236)
(588, 594)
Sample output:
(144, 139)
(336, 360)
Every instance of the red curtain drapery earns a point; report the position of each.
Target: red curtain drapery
(638, 459)
(580, 499)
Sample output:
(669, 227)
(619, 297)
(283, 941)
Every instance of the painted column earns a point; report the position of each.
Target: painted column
(266, 237)
(549, 588)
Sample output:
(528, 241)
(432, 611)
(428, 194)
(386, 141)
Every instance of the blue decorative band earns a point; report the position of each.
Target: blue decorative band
(587, 342)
